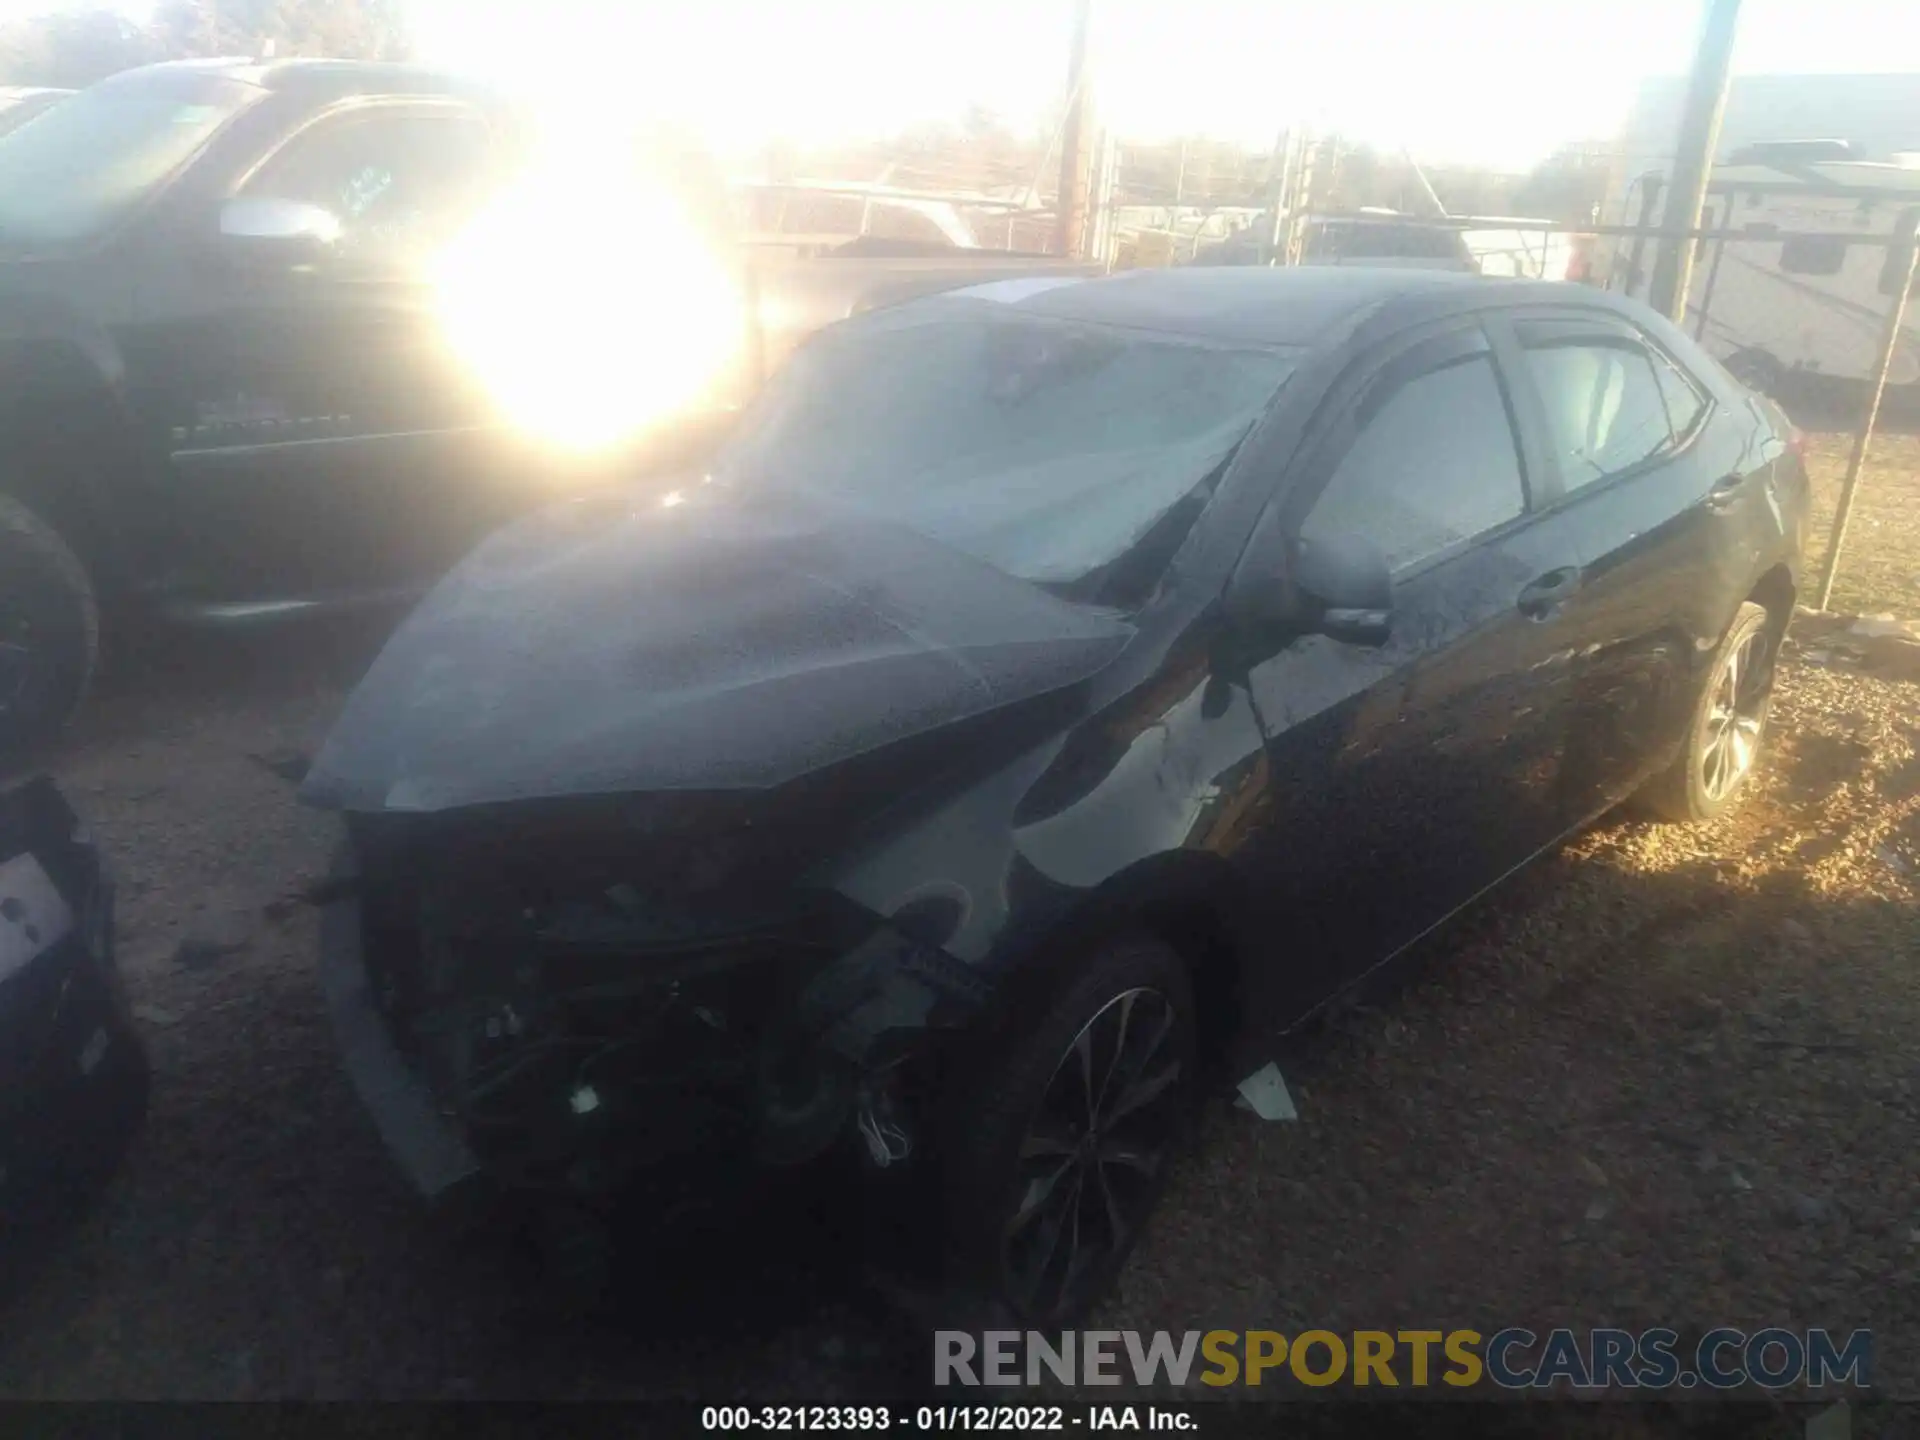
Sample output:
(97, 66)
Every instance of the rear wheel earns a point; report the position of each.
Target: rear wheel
(1728, 726)
(49, 632)
(1059, 1151)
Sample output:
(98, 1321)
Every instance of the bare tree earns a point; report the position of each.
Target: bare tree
(72, 48)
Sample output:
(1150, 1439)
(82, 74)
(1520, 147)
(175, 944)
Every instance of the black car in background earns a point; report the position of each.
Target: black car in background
(1053, 691)
(73, 1075)
(228, 391)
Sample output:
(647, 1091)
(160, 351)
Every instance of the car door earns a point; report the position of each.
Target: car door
(327, 441)
(1409, 777)
(1658, 485)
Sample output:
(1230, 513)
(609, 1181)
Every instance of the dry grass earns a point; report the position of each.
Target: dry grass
(1880, 566)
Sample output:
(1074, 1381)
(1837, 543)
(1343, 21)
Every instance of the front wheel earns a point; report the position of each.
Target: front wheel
(49, 632)
(1058, 1152)
(1727, 729)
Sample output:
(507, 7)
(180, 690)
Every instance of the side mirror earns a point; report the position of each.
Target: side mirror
(269, 231)
(1334, 585)
(1347, 586)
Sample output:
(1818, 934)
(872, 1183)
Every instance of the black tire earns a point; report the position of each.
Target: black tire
(49, 633)
(1007, 1103)
(1688, 792)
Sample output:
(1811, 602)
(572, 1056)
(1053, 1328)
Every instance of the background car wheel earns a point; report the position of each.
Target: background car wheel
(1059, 1147)
(1728, 727)
(49, 632)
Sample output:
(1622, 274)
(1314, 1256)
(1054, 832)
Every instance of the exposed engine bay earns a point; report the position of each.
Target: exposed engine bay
(592, 1006)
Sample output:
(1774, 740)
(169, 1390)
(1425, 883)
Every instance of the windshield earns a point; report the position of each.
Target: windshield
(70, 173)
(1044, 448)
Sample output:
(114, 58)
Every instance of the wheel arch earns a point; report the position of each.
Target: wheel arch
(1192, 901)
(1775, 593)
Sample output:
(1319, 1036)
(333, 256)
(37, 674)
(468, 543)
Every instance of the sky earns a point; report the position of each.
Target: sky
(1494, 82)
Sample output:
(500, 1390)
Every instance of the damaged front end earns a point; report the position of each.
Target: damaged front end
(595, 1000)
(598, 788)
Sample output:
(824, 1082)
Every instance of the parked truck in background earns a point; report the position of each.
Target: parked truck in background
(227, 391)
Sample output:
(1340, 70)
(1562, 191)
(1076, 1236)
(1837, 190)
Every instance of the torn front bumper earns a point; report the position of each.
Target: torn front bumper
(669, 1068)
(423, 1139)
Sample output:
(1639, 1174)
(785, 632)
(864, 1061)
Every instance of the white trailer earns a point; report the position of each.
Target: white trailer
(1802, 156)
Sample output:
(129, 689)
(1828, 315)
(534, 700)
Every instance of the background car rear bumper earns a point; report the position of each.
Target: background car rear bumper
(79, 1094)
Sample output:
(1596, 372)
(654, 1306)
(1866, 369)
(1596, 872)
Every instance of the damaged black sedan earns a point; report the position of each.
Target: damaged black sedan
(1052, 688)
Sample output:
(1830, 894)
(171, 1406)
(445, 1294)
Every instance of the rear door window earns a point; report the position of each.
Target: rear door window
(1607, 408)
(1686, 406)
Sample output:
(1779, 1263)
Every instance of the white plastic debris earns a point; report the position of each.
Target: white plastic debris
(1265, 1093)
(585, 1100)
(95, 1051)
(1875, 626)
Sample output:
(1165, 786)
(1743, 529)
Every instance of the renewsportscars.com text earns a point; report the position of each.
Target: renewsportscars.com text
(1511, 1359)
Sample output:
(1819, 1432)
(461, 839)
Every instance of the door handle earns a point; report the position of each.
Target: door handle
(1725, 491)
(1542, 598)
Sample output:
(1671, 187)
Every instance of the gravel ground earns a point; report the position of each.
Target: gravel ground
(1666, 1078)
(1880, 567)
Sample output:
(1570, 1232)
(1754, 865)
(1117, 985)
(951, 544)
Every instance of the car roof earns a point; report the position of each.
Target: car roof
(324, 79)
(1257, 304)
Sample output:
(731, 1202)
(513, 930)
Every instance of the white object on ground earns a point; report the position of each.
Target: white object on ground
(1265, 1093)
(1874, 626)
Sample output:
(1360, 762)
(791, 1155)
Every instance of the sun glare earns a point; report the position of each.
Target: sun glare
(586, 299)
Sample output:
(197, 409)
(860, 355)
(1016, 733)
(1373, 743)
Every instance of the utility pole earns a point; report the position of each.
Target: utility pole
(1071, 213)
(1901, 269)
(1693, 156)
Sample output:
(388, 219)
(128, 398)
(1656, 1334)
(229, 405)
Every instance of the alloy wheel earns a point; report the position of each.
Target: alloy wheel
(1735, 717)
(1092, 1155)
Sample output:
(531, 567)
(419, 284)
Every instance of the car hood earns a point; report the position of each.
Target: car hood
(710, 640)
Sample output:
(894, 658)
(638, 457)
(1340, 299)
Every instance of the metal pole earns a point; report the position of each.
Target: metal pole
(1713, 271)
(1426, 185)
(1283, 194)
(1070, 221)
(1693, 154)
(1650, 188)
(1889, 347)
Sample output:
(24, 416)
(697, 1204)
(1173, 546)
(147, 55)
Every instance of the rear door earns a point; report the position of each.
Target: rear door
(1407, 778)
(1659, 485)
